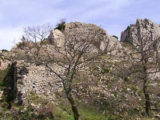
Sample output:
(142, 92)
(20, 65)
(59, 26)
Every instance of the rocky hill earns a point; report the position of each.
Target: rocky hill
(108, 87)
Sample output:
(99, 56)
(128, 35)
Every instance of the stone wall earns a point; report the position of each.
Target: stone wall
(38, 79)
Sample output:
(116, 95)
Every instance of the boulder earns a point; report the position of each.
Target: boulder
(56, 37)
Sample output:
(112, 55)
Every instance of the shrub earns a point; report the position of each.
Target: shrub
(115, 36)
(21, 45)
(105, 70)
(46, 111)
(9, 85)
(4, 50)
(2, 76)
(44, 42)
(61, 26)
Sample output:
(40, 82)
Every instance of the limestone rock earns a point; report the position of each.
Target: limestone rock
(91, 32)
(38, 79)
(3, 62)
(82, 31)
(148, 31)
(57, 37)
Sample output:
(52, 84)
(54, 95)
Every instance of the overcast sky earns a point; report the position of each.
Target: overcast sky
(112, 15)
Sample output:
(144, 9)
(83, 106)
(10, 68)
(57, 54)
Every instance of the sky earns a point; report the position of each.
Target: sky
(112, 15)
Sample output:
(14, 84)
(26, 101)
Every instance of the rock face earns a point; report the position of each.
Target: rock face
(145, 29)
(91, 32)
(81, 31)
(56, 37)
(38, 79)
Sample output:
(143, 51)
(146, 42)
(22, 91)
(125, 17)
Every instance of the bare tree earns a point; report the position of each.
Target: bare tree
(74, 55)
(33, 38)
(146, 48)
(37, 33)
(76, 51)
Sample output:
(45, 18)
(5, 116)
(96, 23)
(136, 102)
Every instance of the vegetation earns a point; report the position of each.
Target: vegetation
(94, 86)
(4, 50)
(61, 26)
(115, 36)
(145, 47)
(3, 73)
(9, 91)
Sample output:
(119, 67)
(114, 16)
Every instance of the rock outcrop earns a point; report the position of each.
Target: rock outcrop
(106, 83)
(3, 62)
(97, 36)
(56, 37)
(144, 29)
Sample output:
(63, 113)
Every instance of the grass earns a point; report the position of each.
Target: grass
(2, 76)
(86, 111)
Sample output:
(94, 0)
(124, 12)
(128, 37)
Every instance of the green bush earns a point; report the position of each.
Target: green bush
(2, 76)
(115, 36)
(105, 70)
(4, 50)
(44, 42)
(9, 84)
(61, 26)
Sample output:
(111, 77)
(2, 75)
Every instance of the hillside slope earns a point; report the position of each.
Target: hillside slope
(108, 88)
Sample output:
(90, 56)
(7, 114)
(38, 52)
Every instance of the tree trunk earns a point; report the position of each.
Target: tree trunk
(147, 99)
(145, 92)
(74, 107)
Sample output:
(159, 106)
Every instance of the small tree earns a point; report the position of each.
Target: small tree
(33, 39)
(75, 53)
(74, 56)
(147, 60)
(37, 33)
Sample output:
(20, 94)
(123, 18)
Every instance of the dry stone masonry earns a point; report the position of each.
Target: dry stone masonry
(38, 79)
